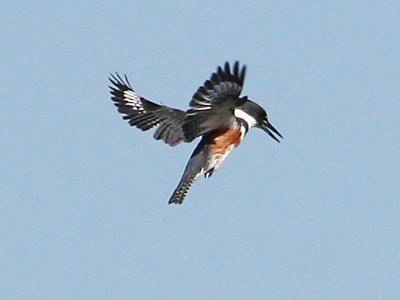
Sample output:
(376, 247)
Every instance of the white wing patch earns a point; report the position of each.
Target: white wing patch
(133, 99)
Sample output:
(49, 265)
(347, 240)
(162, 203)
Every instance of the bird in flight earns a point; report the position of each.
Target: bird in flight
(217, 114)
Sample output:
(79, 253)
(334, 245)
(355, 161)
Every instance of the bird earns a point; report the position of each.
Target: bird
(217, 113)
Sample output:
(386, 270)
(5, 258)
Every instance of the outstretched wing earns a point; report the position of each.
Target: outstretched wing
(145, 114)
(213, 103)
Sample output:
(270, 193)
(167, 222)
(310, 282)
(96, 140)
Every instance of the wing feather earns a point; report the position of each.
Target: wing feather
(145, 114)
(214, 101)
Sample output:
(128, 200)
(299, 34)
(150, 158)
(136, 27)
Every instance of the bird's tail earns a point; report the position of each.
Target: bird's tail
(196, 166)
(181, 190)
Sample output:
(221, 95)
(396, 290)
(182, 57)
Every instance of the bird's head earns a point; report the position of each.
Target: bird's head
(255, 116)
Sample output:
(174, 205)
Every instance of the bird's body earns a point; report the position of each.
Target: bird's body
(217, 114)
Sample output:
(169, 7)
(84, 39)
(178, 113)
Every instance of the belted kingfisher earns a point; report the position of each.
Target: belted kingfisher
(217, 113)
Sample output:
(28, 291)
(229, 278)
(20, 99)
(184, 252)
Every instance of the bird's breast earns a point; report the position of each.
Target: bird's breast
(226, 141)
(222, 145)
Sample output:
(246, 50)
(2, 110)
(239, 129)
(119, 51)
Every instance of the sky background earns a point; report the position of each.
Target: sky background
(83, 209)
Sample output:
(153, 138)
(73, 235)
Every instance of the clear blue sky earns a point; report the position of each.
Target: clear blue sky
(83, 210)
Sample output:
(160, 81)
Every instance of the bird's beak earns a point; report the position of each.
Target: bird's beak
(268, 128)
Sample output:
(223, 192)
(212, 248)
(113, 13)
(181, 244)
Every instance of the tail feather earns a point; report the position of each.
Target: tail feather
(197, 165)
(182, 189)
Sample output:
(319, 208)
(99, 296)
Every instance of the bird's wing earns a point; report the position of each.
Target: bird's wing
(145, 114)
(212, 105)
